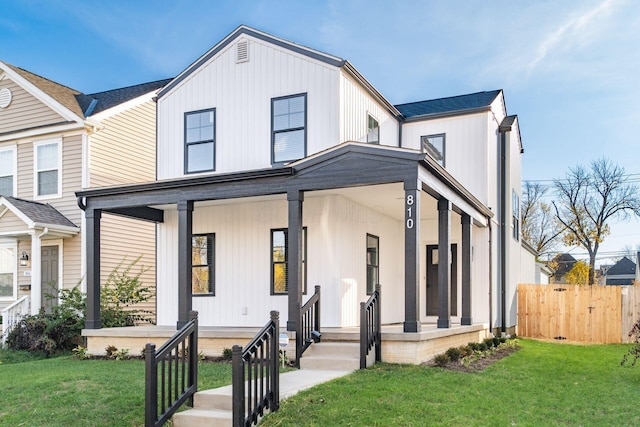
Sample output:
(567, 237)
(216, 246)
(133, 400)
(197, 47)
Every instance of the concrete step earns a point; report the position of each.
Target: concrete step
(203, 418)
(218, 398)
(329, 363)
(333, 349)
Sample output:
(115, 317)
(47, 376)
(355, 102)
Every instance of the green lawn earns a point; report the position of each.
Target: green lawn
(544, 384)
(68, 392)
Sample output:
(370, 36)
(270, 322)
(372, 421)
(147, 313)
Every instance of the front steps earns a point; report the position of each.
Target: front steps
(320, 363)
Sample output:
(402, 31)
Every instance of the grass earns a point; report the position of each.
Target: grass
(544, 384)
(64, 391)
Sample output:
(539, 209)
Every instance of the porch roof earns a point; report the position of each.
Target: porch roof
(36, 215)
(350, 164)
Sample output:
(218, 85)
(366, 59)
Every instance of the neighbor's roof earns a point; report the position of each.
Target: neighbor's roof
(40, 213)
(451, 104)
(85, 105)
(624, 266)
(565, 263)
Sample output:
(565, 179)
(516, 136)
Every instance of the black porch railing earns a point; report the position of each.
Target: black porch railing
(309, 324)
(171, 373)
(259, 361)
(370, 328)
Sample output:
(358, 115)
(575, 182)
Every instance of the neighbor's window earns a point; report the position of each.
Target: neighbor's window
(202, 264)
(373, 130)
(199, 141)
(47, 168)
(515, 209)
(8, 283)
(279, 257)
(7, 166)
(288, 128)
(433, 145)
(373, 251)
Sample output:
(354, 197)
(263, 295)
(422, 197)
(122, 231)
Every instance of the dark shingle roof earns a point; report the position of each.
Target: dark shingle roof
(111, 98)
(40, 213)
(624, 266)
(446, 105)
(565, 263)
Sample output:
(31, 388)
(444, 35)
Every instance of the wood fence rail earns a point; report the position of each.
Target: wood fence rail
(589, 314)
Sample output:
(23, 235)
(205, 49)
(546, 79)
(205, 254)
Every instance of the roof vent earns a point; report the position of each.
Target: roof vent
(242, 51)
(5, 97)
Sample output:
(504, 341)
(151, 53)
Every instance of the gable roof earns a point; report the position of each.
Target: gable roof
(565, 264)
(453, 104)
(624, 266)
(86, 105)
(37, 216)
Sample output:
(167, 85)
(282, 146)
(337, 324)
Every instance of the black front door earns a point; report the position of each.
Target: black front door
(432, 280)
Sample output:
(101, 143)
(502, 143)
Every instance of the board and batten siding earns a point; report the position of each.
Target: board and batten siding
(465, 144)
(123, 151)
(356, 104)
(336, 260)
(25, 111)
(241, 93)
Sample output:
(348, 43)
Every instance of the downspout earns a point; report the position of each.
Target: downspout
(399, 131)
(44, 233)
(503, 233)
(490, 278)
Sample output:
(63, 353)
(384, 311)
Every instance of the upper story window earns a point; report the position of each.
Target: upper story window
(279, 258)
(373, 130)
(199, 141)
(515, 212)
(202, 264)
(48, 161)
(288, 128)
(7, 171)
(373, 249)
(434, 146)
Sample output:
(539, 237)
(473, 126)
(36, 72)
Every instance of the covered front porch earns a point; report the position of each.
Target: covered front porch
(330, 204)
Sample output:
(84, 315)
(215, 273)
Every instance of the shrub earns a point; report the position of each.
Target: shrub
(474, 346)
(227, 354)
(465, 351)
(488, 342)
(453, 354)
(110, 350)
(634, 352)
(441, 359)
(80, 352)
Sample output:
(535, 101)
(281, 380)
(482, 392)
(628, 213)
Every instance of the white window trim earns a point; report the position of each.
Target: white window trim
(35, 169)
(14, 246)
(369, 114)
(15, 167)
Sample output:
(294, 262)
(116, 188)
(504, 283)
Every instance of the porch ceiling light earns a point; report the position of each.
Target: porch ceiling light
(24, 259)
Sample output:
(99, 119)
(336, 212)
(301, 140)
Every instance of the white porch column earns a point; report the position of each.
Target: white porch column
(36, 274)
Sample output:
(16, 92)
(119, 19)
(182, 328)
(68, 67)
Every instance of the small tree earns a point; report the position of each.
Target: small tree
(587, 199)
(578, 275)
(540, 228)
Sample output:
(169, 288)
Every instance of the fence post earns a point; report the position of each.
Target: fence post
(363, 335)
(151, 386)
(275, 363)
(193, 355)
(378, 325)
(238, 386)
(317, 311)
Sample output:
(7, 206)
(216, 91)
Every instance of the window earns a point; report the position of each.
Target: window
(7, 168)
(288, 125)
(515, 212)
(47, 168)
(199, 141)
(433, 145)
(373, 247)
(202, 264)
(373, 131)
(8, 288)
(279, 274)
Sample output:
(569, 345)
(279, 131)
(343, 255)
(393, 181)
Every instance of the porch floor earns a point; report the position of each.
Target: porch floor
(397, 346)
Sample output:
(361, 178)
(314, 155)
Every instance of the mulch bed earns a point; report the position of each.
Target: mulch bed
(477, 365)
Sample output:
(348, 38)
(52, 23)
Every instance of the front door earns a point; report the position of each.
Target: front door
(432, 280)
(49, 277)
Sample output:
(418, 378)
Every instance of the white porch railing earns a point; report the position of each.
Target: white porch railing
(12, 314)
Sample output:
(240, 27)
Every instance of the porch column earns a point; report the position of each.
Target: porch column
(36, 273)
(92, 242)
(295, 199)
(411, 256)
(185, 217)
(467, 226)
(444, 269)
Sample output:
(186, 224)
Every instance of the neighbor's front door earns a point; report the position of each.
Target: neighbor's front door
(49, 277)
(432, 280)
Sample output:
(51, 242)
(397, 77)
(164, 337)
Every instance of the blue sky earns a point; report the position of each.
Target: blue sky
(570, 70)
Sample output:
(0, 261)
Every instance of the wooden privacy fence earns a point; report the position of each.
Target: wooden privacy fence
(590, 314)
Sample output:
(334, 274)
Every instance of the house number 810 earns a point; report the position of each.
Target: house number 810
(410, 211)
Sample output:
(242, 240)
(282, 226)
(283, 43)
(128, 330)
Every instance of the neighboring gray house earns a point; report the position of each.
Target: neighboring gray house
(624, 272)
(561, 264)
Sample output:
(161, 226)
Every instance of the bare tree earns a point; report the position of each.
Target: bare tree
(540, 227)
(588, 199)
